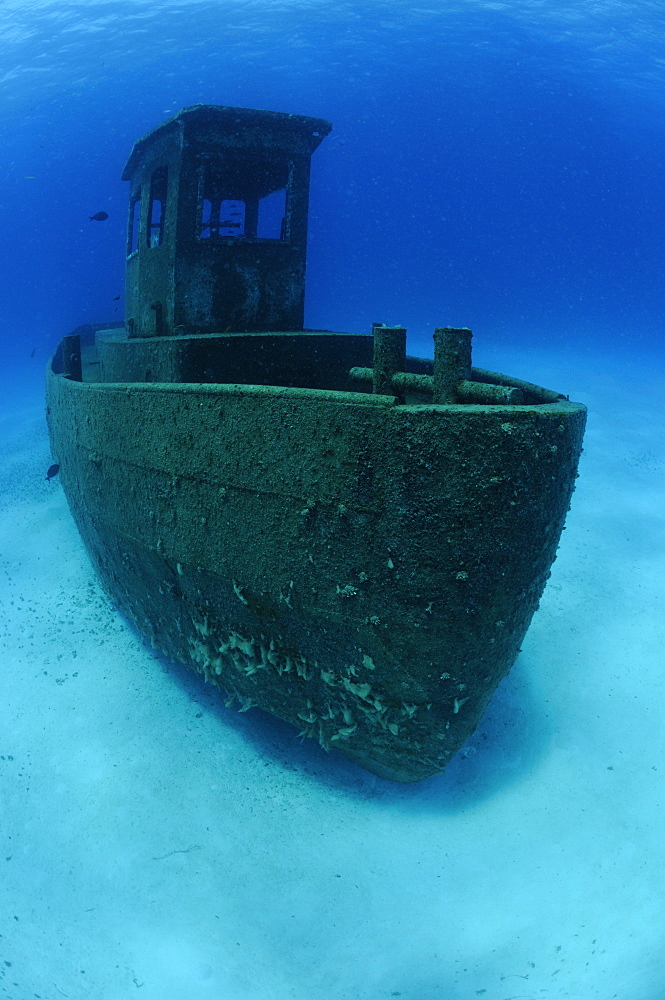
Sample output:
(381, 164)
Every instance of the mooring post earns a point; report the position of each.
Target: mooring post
(452, 361)
(389, 356)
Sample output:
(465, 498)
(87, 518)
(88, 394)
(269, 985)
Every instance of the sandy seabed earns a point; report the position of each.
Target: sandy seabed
(160, 846)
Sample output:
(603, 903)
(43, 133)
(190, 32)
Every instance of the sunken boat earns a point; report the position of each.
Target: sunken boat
(348, 537)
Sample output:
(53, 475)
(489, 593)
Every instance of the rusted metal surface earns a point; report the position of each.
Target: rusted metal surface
(365, 569)
(218, 241)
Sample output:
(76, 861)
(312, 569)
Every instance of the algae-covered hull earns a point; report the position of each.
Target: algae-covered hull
(362, 566)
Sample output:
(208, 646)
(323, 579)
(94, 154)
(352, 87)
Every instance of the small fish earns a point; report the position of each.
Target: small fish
(116, 298)
(99, 216)
(32, 352)
(53, 470)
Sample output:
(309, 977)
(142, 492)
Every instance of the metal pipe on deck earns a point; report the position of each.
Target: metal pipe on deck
(467, 391)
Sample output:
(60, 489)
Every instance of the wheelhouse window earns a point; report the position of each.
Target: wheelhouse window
(134, 223)
(243, 199)
(271, 222)
(224, 217)
(157, 206)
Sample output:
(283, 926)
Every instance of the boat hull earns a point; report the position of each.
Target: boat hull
(363, 569)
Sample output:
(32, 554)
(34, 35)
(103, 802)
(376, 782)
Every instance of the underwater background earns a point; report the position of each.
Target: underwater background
(493, 165)
(497, 165)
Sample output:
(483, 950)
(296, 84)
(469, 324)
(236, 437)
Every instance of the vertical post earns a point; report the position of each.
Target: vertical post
(158, 309)
(389, 356)
(71, 357)
(452, 361)
(251, 217)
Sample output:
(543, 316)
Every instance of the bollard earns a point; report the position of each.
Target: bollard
(452, 361)
(389, 356)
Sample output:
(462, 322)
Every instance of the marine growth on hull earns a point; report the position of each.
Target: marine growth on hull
(321, 525)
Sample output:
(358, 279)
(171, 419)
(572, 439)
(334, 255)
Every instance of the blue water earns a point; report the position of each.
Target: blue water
(493, 165)
(496, 165)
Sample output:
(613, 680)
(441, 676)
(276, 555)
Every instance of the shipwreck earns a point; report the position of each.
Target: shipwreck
(348, 537)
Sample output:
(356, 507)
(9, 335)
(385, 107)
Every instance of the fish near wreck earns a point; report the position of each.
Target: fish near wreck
(321, 525)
